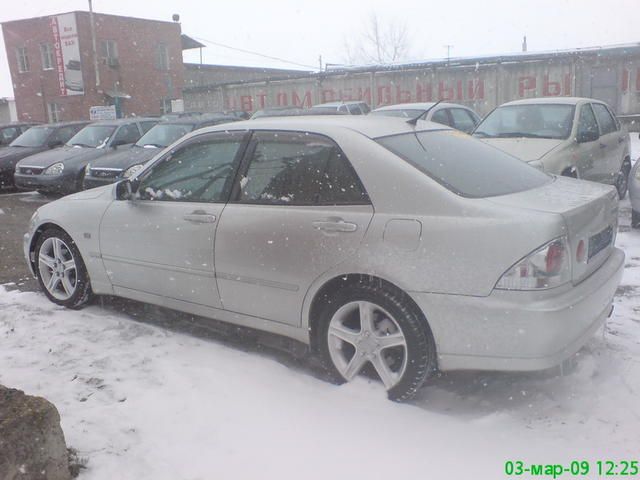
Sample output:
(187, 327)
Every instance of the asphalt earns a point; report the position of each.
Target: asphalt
(15, 211)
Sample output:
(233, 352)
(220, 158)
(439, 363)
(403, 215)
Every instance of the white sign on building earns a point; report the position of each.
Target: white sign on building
(102, 113)
(67, 54)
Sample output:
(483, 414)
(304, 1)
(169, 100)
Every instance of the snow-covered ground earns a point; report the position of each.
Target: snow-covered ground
(145, 402)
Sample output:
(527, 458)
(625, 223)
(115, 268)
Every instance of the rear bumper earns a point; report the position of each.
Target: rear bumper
(520, 331)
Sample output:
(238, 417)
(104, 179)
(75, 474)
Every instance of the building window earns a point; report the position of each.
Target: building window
(162, 57)
(46, 53)
(54, 111)
(109, 51)
(23, 59)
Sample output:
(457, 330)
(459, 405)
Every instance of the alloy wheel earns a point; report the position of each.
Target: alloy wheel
(57, 268)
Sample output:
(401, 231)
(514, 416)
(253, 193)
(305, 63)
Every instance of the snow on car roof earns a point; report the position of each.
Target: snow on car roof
(370, 126)
(552, 100)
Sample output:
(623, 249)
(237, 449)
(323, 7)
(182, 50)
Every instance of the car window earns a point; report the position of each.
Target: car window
(587, 120)
(442, 117)
(463, 164)
(607, 124)
(354, 109)
(146, 126)
(198, 172)
(462, 119)
(93, 136)
(127, 134)
(34, 137)
(8, 134)
(291, 168)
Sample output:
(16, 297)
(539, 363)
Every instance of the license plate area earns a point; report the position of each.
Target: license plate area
(600, 241)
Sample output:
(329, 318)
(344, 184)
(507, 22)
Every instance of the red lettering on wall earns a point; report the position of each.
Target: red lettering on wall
(424, 92)
(328, 95)
(402, 96)
(345, 94)
(261, 99)
(526, 84)
(364, 94)
(445, 92)
(384, 95)
(549, 88)
(305, 101)
(475, 89)
(281, 99)
(246, 103)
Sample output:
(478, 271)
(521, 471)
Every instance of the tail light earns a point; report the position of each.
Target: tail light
(547, 267)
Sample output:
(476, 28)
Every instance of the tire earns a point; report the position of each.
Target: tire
(347, 347)
(622, 182)
(60, 270)
(635, 219)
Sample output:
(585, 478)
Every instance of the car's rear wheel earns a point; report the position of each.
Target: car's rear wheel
(622, 182)
(635, 219)
(375, 330)
(60, 270)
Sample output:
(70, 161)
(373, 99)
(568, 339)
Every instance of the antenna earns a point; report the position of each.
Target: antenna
(414, 121)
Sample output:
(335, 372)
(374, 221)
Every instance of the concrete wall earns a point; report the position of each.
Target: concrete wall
(610, 74)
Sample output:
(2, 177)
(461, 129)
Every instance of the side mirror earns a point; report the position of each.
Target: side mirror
(118, 143)
(586, 136)
(126, 189)
(54, 144)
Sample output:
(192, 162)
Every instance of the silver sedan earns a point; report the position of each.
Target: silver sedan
(391, 249)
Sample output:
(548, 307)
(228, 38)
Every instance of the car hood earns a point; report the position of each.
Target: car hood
(67, 155)
(125, 158)
(13, 154)
(527, 149)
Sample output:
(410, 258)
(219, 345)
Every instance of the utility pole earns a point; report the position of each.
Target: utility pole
(93, 43)
(448, 47)
(524, 44)
(320, 61)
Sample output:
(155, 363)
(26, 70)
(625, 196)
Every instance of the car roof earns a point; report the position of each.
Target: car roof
(337, 104)
(369, 126)
(418, 106)
(17, 124)
(552, 100)
(124, 121)
(63, 124)
(197, 119)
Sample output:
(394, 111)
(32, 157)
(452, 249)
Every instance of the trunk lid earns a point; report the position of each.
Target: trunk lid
(590, 213)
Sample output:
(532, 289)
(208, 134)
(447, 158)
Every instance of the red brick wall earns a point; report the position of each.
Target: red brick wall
(136, 40)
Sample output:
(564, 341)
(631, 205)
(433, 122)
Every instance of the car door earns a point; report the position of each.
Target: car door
(588, 154)
(162, 242)
(611, 143)
(297, 210)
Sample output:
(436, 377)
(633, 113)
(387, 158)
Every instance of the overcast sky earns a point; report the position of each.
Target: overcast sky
(300, 31)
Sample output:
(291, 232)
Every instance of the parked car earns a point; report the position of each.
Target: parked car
(387, 247)
(10, 131)
(35, 140)
(277, 112)
(62, 170)
(634, 194)
(123, 163)
(575, 137)
(451, 114)
(341, 108)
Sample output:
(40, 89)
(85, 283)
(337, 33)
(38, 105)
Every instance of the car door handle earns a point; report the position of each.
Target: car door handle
(334, 225)
(200, 216)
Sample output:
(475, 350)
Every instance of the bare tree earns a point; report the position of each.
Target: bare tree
(378, 42)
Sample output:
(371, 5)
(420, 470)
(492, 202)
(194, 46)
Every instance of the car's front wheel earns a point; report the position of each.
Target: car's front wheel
(622, 182)
(635, 219)
(60, 270)
(376, 330)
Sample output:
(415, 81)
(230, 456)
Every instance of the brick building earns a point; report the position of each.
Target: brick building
(51, 60)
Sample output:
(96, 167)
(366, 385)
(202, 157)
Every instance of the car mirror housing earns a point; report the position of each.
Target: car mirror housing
(126, 189)
(586, 136)
(54, 144)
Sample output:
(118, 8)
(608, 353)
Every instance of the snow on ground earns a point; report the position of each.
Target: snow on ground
(145, 402)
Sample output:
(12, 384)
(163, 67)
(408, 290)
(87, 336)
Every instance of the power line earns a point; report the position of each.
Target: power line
(217, 44)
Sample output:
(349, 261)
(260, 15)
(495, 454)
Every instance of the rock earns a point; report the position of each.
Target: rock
(32, 445)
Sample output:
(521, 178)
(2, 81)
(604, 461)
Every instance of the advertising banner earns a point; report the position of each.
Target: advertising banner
(67, 54)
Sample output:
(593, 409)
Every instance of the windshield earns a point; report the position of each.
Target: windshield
(163, 135)
(529, 121)
(93, 136)
(34, 137)
(463, 164)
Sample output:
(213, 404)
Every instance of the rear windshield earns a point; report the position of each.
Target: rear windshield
(164, 134)
(464, 165)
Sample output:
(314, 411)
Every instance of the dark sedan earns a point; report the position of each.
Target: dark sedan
(125, 162)
(62, 170)
(10, 131)
(35, 140)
